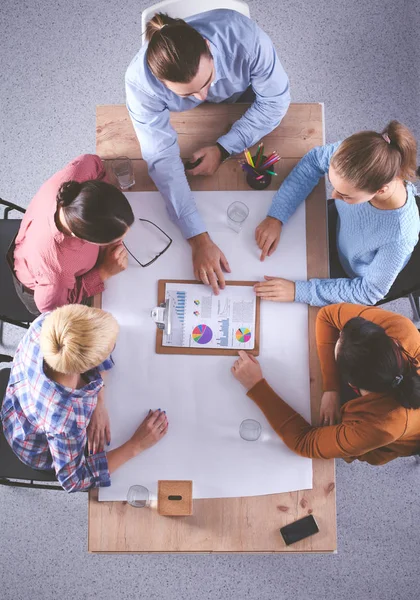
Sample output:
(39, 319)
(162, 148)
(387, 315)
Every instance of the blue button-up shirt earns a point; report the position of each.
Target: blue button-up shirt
(46, 423)
(243, 55)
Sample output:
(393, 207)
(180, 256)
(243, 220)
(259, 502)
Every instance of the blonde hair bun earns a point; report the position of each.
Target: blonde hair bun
(76, 338)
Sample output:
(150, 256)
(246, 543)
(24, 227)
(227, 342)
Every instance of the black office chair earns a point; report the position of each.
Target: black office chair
(12, 310)
(13, 472)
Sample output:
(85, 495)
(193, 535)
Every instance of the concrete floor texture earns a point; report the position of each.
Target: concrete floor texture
(58, 60)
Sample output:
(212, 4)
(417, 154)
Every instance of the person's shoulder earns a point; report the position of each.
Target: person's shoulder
(222, 21)
(139, 75)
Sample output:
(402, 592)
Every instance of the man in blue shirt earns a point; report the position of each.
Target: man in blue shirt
(215, 57)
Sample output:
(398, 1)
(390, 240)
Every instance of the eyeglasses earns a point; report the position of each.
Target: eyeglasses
(150, 262)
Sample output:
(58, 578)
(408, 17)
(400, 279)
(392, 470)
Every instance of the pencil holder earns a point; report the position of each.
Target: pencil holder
(258, 184)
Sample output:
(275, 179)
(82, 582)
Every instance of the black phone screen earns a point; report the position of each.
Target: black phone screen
(299, 530)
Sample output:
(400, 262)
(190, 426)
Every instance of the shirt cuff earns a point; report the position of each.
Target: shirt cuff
(92, 282)
(231, 142)
(303, 291)
(191, 225)
(98, 465)
(278, 212)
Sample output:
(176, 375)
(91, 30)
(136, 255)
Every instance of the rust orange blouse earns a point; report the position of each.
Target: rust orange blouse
(374, 428)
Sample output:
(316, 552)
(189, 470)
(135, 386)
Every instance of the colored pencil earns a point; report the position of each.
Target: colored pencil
(249, 157)
(260, 154)
(271, 172)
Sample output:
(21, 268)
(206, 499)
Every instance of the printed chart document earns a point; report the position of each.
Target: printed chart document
(199, 319)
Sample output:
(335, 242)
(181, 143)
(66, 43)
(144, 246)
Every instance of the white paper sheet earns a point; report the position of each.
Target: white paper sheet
(199, 319)
(204, 403)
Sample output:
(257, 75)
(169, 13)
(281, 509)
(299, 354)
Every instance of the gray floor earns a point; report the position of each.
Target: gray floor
(58, 59)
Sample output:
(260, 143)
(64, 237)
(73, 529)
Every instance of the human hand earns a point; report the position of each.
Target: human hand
(247, 370)
(150, 431)
(208, 262)
(211, 159)
(267, 236)
(329, 413)
(114, 260)
(276, 289)
(98, 430)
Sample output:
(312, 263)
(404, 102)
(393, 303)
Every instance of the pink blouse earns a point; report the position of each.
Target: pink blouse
(59, 268)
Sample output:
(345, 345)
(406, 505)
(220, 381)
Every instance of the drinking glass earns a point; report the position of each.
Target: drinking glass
(250, 430)
(122, 168)
(237, 212)
(138, 496)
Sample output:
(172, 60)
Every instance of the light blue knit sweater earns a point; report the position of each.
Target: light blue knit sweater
(373, 244)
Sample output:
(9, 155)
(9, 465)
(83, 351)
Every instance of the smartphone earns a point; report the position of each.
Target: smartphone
(299, 530)
(191, 165)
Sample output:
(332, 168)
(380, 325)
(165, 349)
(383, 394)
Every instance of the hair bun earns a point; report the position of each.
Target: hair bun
(68, 191)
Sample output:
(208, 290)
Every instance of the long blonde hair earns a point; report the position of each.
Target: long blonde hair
(370, 160)
(76, 338)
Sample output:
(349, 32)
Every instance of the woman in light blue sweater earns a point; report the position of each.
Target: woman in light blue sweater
(377, 220)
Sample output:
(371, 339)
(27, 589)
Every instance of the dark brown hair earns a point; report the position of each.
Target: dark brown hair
(371, 360)
(95, 211)
(369, 161)
(174, 50)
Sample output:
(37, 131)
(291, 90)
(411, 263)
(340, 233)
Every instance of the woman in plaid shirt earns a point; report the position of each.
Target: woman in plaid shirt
(53, 413)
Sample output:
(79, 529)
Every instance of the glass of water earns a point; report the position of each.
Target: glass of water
(122, 168)
(250, 430)
(138, 496)
(237, 212)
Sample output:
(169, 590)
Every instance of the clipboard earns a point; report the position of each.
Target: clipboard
(161, 349)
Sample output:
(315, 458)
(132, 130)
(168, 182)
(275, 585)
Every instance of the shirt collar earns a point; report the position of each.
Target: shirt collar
(219, 72)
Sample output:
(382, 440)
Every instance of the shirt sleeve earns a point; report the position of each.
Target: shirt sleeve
(272, 97)
(349, 439)
(85, 167)
(159, 147)
(74, 470)
(49, 295)
(301, 181)
(368, 289)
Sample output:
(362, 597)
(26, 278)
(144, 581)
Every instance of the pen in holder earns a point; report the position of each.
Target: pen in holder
(259, 168)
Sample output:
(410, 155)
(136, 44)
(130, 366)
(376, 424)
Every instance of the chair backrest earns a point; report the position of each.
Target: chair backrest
(408, 281)
(182, 9)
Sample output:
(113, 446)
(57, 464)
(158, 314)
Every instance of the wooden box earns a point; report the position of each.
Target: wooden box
(174, 498)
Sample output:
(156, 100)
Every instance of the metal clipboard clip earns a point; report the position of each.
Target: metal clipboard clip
(162, 316)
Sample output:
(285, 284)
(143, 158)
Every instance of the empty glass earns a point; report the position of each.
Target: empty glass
(250, 430)
(122, 168)
(138, 496)
(237, 212)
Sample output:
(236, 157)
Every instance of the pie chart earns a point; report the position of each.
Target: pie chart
(202, 334)
(243, 335)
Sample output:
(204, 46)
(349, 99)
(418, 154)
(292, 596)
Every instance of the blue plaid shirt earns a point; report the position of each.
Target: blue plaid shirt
(45, 423)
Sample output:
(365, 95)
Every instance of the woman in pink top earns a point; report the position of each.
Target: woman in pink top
(69, 241)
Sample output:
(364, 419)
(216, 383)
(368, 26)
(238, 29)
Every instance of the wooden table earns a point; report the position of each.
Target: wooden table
(227, 524)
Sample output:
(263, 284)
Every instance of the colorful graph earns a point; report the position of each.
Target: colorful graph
(180, 305)
(243, 335)
(202, 334)
(197, 302)
(197, 314)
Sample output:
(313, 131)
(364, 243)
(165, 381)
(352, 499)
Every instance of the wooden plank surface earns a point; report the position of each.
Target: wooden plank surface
(229, 524)
(300, 130)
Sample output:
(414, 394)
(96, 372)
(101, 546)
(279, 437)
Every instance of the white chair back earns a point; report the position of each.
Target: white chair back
(187, 8)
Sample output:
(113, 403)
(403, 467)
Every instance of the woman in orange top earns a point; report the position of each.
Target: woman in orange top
(376, 353)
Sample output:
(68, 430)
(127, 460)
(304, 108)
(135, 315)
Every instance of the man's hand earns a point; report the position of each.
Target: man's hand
(211, 161)
(267, 236)
(276, 289)
(247, 370)
(208, 262)
(329, 413)
(114, 260)
(99, 431)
